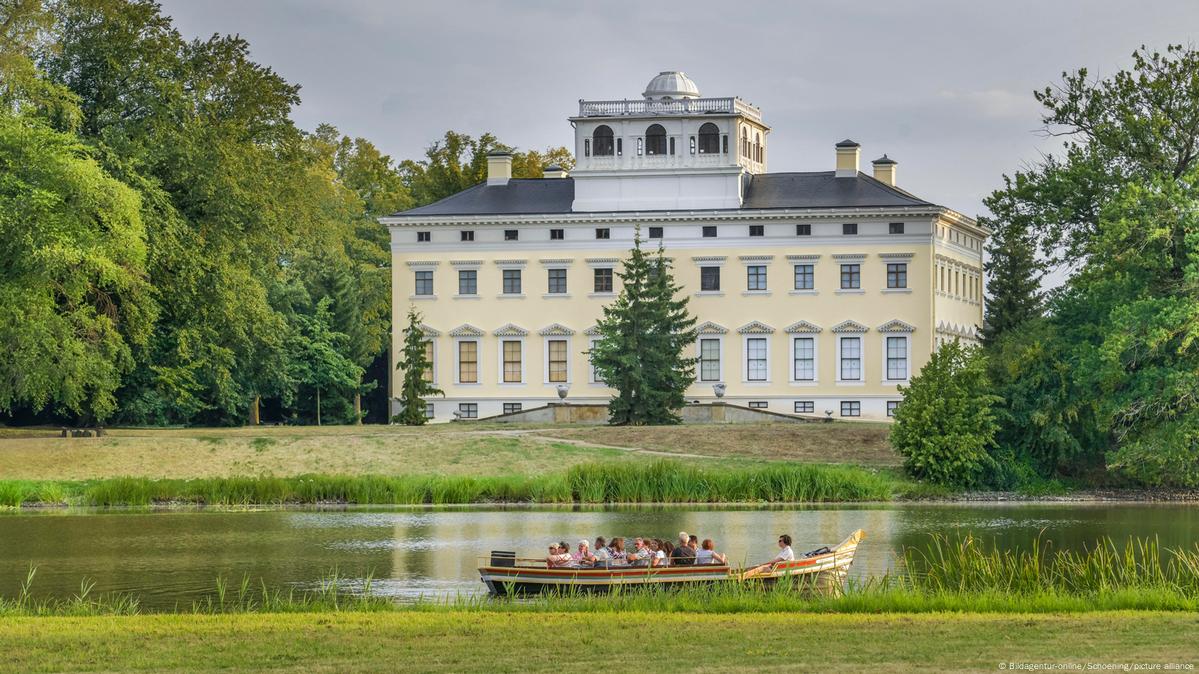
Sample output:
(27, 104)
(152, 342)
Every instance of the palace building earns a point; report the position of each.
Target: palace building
(815, 292)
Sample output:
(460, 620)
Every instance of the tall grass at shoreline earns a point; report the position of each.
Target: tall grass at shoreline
(948, 574)
(656, 482)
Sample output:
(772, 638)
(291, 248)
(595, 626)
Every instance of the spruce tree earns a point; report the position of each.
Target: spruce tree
(643, 337)
(1014, 278)
(413, 365)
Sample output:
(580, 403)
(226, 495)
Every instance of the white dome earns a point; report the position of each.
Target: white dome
(670, 84)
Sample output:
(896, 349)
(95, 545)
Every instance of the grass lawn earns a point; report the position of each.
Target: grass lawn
(502, 642)
(860, 443)
(446, 449)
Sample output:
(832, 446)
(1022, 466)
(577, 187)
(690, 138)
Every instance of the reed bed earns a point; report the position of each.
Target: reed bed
(651, 482)
(946, 575)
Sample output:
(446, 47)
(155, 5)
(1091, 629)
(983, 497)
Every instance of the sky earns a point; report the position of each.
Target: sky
(943, 87)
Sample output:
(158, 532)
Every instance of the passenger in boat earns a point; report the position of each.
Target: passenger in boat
(667, 551)
(616, 551)
(785, 552)
(707, 554)
(658, 557)
(683, 554)
(559, 556)
(641, 554)
(601, 552)
(693, 542)
(582, 555)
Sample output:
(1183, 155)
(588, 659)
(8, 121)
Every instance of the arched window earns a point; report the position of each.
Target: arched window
(655, 139)
(709, 138)
(744, 143)
(602, 141)
(758, 148)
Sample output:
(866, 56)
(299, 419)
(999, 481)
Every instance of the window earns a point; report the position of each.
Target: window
(851, 408)
(755, 359)
(655, 139)
(693, 145)
(429, 410)
(424, 283)
(709, 138)
(595, 377)
(467, 235)
(897, 275)
(468, 282)
(709, 231)
(603, 233)
(603, 280)
(724, 144)
(511, 281)
(804, 349)
(427, 375)
(892, 405)
(511, 234)
(512, 362)
(895, 228)
(468, 410)
(709, 360)
(556, 352)
(468, 362)
(601, 141)
(755, 277)
(424, 237)
(851, 276)
(557, 281)
(709, 279)
(897, 358)
(619, 147)
(849, 228)
(758, 405)
(803, 230)
(757, 230)
(586, 147)
(805, 277)
(511, 408)
(655, 232)
(672, 145)
(805, 406)
(557, 234)
(851, 358)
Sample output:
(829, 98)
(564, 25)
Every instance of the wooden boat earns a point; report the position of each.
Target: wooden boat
(506, 574)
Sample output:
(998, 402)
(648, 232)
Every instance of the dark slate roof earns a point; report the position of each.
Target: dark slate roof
(823, 189)
(820, 189)
(519, 196)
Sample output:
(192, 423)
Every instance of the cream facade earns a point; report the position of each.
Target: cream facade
(816, 293)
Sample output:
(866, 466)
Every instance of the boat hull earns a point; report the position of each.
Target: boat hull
(825, 572)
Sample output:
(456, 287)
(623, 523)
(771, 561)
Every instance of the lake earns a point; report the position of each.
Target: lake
(171, 558)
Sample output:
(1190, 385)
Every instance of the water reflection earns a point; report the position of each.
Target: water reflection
(172, 558)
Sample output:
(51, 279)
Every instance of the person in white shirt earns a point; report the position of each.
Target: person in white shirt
(785, 552)
(707, 554)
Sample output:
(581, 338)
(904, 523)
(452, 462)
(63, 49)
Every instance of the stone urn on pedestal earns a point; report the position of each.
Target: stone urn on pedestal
(718, 389)
(563, 389)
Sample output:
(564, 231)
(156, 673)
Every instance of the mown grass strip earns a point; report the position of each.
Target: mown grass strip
(656, 482)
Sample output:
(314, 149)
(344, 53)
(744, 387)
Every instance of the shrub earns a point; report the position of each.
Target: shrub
(946, 423)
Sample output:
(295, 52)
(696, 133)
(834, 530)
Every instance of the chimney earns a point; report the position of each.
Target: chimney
(884, 170)
(499, 168)
(554, 171)
(847, 158)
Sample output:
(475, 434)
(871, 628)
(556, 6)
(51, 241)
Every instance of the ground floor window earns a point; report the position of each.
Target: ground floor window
(427, 375)
(755, 359)
(805, 406)
(468, 362)
(851, 408)
(892, 405)
(709, 360)
(511, 408)
(512, 362)
(468, 410)
(757, 404)
(557, 360)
